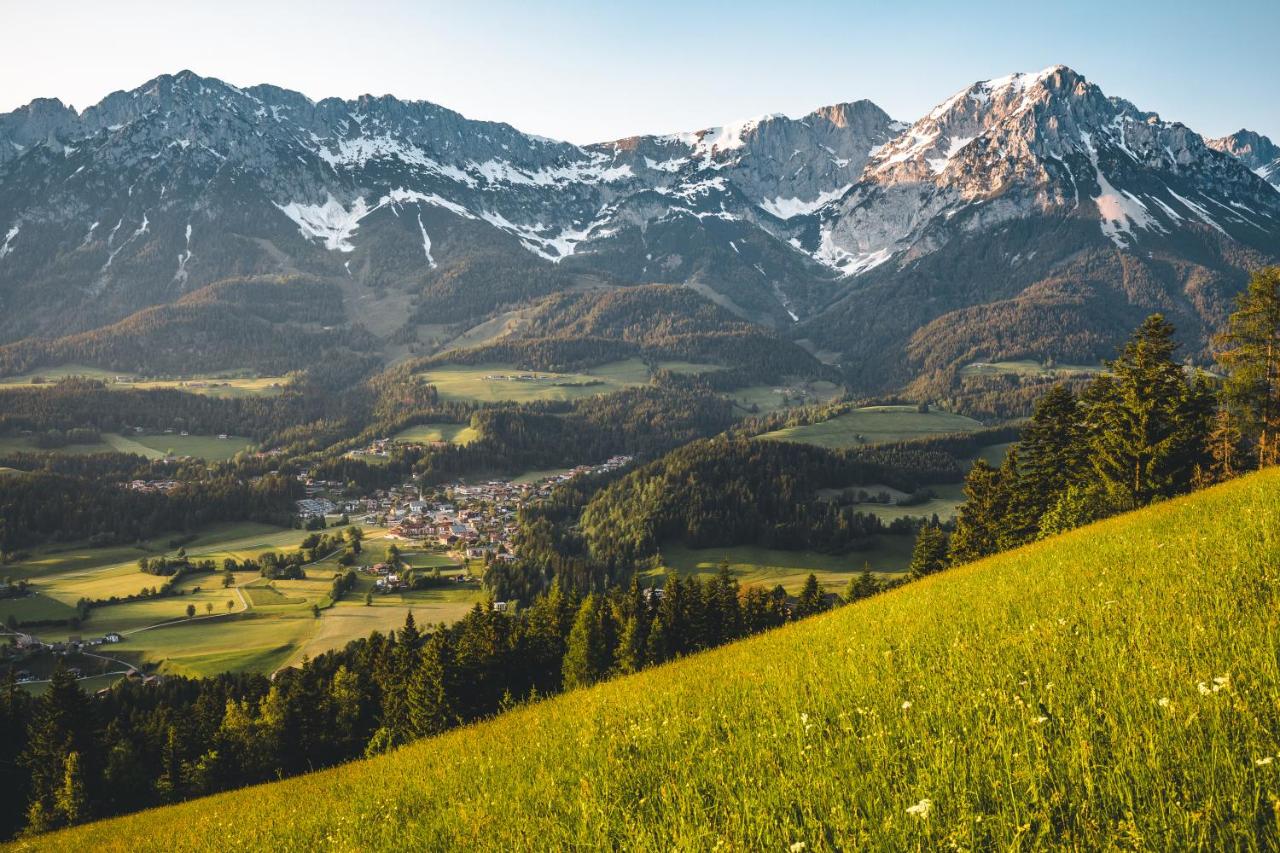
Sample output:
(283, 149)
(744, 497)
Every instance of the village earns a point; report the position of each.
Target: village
(467, 521)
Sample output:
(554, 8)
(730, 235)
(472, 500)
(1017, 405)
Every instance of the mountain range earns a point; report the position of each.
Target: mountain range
(1025, 217)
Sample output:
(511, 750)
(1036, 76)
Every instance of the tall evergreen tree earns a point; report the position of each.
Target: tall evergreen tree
(981, 517)
(1146, 423)
(1250, 351)
(929, 555)
(428, 706)
(587, 657)
(62, 724)
(810, 601)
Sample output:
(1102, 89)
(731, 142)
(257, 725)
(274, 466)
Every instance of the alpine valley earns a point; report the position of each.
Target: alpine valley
(190, 225)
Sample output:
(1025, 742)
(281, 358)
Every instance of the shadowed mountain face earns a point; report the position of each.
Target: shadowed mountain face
(1029, 216)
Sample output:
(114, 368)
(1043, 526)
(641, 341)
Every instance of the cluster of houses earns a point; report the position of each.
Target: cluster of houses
(475, 520)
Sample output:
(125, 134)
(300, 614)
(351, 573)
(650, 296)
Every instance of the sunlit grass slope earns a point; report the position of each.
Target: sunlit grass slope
(1116, 687)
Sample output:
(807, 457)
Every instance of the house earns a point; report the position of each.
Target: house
(113, 637)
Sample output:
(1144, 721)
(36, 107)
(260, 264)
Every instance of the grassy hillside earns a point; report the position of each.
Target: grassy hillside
(1115, 687)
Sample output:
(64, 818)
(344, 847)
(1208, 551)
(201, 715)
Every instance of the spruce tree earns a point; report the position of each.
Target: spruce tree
(1146, 423)
(61, 723)
(810, 601)
(1250, 351)
(1051, 453)
(586, 659)
(427, 701)
(930, 552)
(981, 517)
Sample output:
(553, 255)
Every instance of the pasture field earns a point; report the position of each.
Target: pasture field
(1111, 688)
(762, 399)
(25, 444)
(948, 498)
(268, 623)
(461, 434)
(875, 425)
(207, 447)
(478, 383)
(1028, 368)
(213, 385)
(767, 567)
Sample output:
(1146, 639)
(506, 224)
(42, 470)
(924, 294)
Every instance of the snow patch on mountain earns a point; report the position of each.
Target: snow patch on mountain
(788, 208)
(7, 247)
(426, 243)
(331, 223)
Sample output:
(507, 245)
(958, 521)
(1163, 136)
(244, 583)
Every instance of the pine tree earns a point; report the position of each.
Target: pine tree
(1225, 458)
(587, 658)
(1250, 351)
(1146, 423)
(1051, 454)
(72, 802)
(810, 601)
(929, 555)
(429, 708)
(981, 518)
(61, 724)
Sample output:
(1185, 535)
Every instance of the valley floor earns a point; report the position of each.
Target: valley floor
(1114, 687)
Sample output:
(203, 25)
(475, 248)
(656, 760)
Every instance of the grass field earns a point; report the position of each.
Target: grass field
(150, 446)
(767, 567)
(472, 382)
(763, 399)
(1113, 688)
(875, 425)
(213, 385)
(268, 625)
(461, 434)
(1027, 368)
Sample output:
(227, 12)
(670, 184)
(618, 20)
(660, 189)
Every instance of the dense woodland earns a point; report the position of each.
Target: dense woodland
(270, 325)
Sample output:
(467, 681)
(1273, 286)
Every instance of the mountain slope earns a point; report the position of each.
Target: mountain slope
(1255, 150)
(1002, 225)
(1032, 217)
(1051, 696)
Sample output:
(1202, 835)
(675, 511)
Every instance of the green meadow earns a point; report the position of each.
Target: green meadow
(875, 425)
(231, 385)
(1112, 688)
(151, 446)
(461, 434)
(257, 625)
(769, 567)
(477, 383)
(1028, 368)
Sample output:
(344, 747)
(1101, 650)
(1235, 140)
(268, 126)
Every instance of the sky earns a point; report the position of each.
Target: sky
(595, 71)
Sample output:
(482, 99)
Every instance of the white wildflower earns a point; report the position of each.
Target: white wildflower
(798, 846)
(1264, 761)
(1163, 701)
(906, 705)
(921, 809)
(1203, 688)
(1039, 720)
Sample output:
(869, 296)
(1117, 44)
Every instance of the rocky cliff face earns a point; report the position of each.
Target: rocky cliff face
(1256, 151)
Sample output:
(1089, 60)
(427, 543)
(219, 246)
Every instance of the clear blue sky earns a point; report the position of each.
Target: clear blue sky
(594, 71)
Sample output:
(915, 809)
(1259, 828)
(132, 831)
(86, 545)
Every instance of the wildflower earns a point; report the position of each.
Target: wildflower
(921, 809)
(1264, 761)
(798, 846)
(1039, 720)
(1163, 701)
(906, 705)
